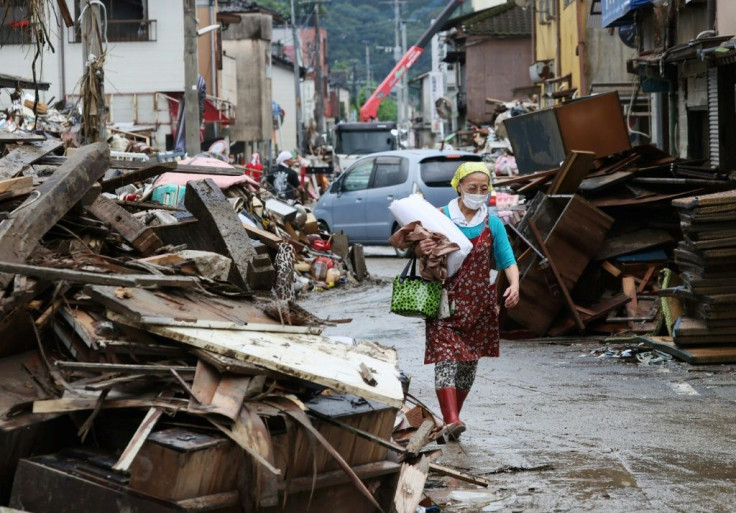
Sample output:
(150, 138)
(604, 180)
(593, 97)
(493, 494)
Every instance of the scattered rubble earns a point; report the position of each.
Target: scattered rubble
(600, 246)
(154, 355)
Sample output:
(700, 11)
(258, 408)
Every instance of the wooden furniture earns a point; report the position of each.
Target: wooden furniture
(572, 230)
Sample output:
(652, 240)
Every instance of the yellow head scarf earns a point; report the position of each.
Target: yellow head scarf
(468, 168)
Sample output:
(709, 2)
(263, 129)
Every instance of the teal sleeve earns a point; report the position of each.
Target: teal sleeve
(501, 245)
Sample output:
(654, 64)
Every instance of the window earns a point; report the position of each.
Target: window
(390, 171)
(127, 20)
(438, 172)
(15, 24)
(358, 176)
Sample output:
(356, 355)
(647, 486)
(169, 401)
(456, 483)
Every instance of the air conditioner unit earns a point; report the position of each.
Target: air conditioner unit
(540, 71)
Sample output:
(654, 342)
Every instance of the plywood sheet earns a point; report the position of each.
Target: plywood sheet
(310, 357)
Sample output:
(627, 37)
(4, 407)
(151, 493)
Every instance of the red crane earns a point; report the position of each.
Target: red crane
(369, 110)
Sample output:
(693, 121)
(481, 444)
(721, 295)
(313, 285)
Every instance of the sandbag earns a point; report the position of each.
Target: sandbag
(416, 208)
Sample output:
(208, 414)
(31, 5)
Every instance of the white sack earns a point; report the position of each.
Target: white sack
(416, 208)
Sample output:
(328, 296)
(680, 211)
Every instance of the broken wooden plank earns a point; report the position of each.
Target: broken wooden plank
(14, 184)
(125, 368)
(16, 193)
(633, 242)
(600, 183)
(14, 137)
(566, 294)
(628, 286)
(137, 165)
(421, 437)
(647, 277)
(150, 307)
(269, 239)
(310, 357)
(139, 175)
(215, 215)
(574, 169)
(139, 438)
(224, 501)
(410, 488)
(140, 236)
(461, 476)
(114, 280)
(598, 310)
(19, 235)
(84, 403)
(524, 178)
(21, 156)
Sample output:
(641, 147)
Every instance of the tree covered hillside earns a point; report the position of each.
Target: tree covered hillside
(354, 24)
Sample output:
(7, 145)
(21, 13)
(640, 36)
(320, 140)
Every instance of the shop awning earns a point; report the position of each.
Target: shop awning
(619, 12)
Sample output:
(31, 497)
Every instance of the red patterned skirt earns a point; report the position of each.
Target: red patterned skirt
(471, 332)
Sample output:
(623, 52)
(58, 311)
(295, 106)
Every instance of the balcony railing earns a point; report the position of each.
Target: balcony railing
(120, 31)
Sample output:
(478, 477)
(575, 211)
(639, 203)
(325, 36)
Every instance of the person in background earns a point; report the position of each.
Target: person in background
(254, 168)
(284, 181)
(456, 343)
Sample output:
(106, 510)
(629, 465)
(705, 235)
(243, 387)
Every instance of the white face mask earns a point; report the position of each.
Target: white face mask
(474, 201)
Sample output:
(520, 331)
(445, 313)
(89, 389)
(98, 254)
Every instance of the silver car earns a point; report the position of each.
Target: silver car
(357, 202)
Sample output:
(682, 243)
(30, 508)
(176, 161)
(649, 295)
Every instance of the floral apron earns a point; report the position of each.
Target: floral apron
(471, 332)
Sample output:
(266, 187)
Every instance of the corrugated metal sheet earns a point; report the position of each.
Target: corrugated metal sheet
(713, 118)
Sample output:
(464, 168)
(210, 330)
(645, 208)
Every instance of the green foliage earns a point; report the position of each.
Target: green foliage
(388, 110)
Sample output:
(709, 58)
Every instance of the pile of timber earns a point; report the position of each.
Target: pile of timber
(131, 185)
(706, 331)
(606, 242)
(142, 368)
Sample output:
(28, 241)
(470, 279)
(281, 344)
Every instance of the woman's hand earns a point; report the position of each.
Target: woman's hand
(424, 247)
(511, 296)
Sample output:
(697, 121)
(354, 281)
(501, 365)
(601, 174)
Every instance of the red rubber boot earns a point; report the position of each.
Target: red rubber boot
(450, 414)
(461, 395)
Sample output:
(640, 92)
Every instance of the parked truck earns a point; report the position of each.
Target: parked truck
(353, 140)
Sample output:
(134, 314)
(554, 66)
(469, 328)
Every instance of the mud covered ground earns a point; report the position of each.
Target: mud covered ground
(565, 426)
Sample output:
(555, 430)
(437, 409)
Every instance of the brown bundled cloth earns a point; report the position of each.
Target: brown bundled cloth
(432, 267)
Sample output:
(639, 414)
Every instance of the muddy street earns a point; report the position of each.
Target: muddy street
(565, 426)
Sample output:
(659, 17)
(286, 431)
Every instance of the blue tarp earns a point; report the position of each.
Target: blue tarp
(617, 12)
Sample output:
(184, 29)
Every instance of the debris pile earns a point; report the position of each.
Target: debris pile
(597, 242)
(167, 366)
(705, 332)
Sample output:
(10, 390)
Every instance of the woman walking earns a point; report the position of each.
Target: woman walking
(456, 343)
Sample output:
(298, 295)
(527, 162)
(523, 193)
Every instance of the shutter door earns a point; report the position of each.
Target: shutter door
(713, 117)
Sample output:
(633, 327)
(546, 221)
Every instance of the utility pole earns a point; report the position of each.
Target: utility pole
(397, 57)
(368, 78)
(404, 92)
(297, 81)
(319, 114)
(92, 31)
(191, 74)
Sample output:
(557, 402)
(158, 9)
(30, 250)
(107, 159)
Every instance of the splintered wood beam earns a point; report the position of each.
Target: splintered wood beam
(22, 156)
(208, 204)
(462, 476)
(19, 235)
(7, 137)
(566, 294)
(138, 175)
(410, 489)
(139, 438)
(136, 165)
(119, 280)
(141, 237)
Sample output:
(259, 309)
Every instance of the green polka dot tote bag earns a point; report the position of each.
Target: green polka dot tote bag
(413, 296)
